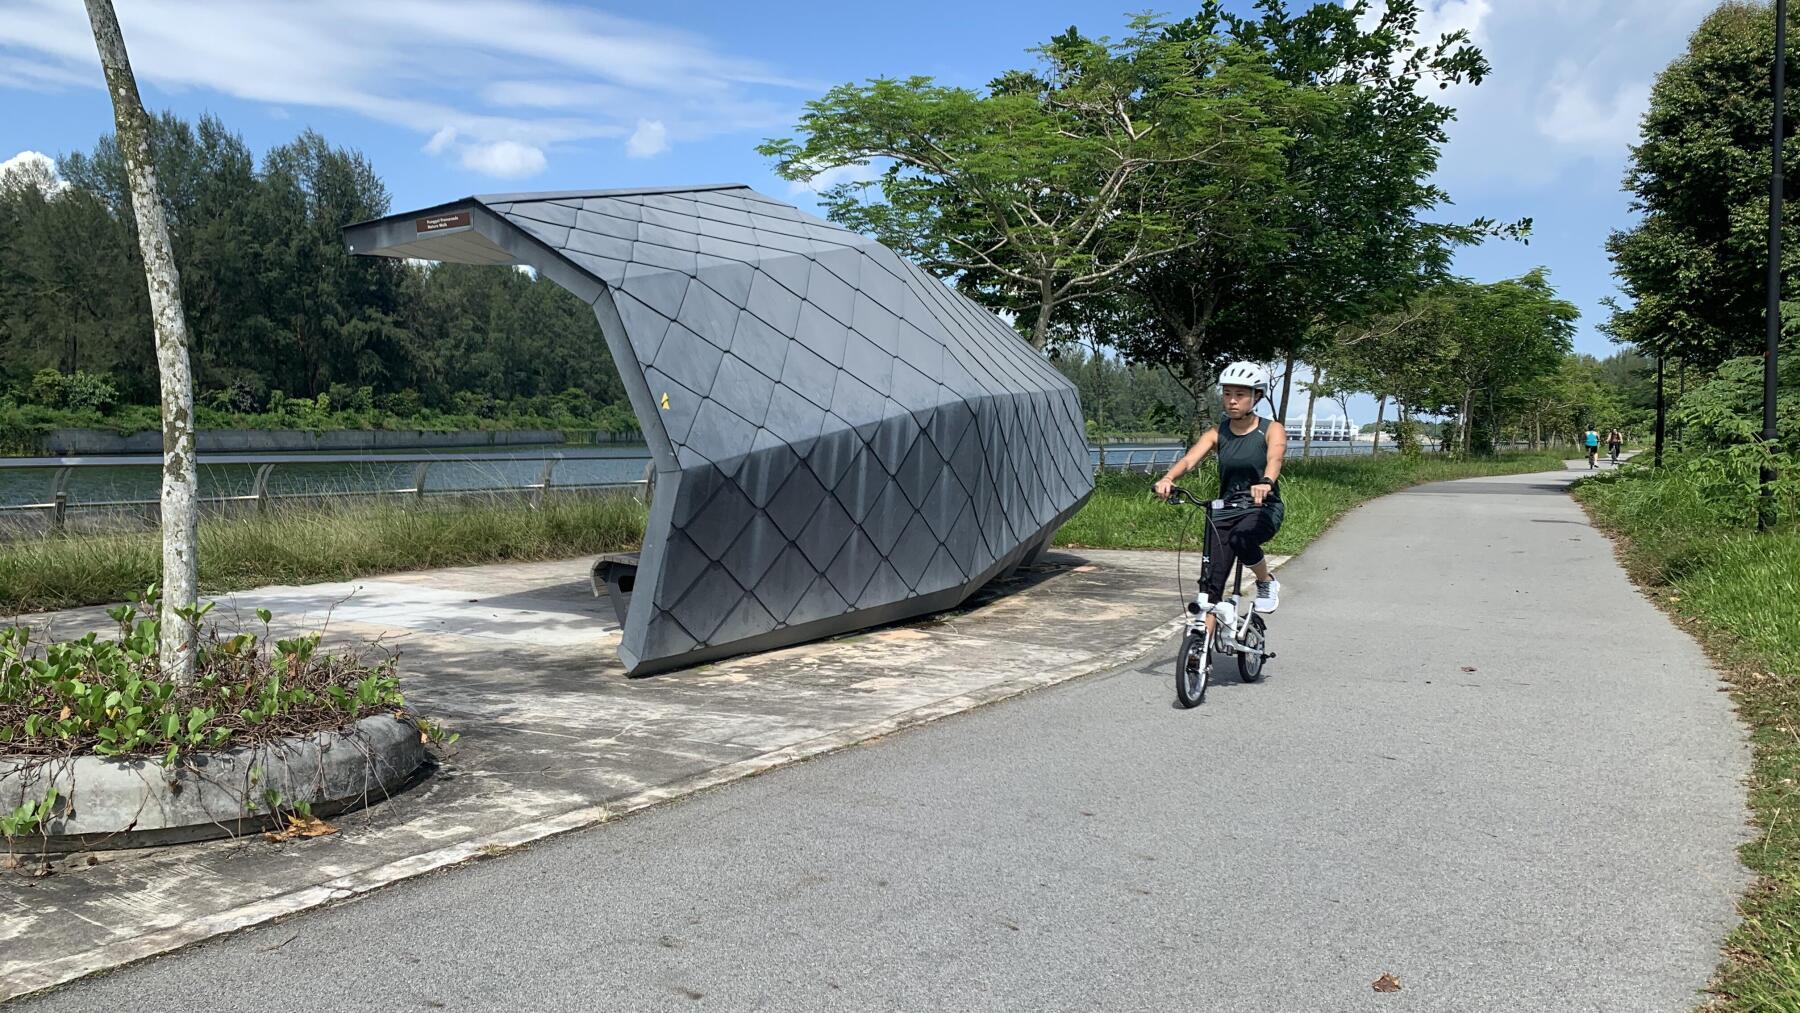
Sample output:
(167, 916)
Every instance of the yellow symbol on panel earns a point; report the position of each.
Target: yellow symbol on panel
(665, 401)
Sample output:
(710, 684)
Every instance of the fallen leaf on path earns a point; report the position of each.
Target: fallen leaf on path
(1387, 983)
(1471, 668)
(302, 826)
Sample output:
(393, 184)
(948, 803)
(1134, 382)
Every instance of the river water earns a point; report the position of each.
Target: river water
(579, 465)
(349, 474)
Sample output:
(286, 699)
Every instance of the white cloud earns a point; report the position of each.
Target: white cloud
(530, 73)
(39, 76)
(831, 177)
(553, 94)
(506, 159)
(650, 139)
(1578, 118)
(439, 141)
(31, 167)
(1570, 82)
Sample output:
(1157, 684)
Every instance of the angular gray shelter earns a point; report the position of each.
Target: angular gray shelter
(840, 440)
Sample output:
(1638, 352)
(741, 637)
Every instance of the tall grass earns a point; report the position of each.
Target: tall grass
(1123, 514)
(1739, 592)
(297, 545)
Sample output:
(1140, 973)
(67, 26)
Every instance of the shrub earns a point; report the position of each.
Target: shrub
(106, 697)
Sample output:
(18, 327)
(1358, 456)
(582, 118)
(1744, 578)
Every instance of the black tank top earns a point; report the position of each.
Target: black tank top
(1243, 459)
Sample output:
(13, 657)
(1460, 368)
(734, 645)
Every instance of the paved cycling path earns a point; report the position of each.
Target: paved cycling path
(1481, 763)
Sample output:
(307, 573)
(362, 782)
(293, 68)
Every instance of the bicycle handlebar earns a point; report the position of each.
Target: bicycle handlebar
(1180, 495)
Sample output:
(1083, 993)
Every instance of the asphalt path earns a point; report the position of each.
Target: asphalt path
(1481, 763)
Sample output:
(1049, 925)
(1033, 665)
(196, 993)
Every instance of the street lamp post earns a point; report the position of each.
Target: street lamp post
(1659, 409)
(1765, 514)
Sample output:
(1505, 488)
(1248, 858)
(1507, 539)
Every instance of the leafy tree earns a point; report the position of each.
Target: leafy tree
(1053, 184)
(1121, 397)
(1694, 267)
(1507, 336)
(1346, 229)
(273, 302)
(1478, 352)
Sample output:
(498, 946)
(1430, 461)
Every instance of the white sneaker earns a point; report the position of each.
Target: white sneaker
(1268, 595)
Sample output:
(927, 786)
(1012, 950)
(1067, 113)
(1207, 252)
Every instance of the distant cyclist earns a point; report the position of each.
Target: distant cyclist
(1615, 441)
(1592, 441)
(1250, 449)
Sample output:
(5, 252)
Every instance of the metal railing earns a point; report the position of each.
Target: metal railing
(1142, 459)
(58, 504)
(1147, 459)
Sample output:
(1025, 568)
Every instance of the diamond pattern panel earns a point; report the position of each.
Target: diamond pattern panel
(843, 440)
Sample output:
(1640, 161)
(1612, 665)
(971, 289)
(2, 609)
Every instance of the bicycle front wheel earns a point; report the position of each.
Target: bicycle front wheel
(1193, 668)
(1250, 663)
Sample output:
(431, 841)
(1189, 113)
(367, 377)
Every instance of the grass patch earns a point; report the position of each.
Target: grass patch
(1738, 592)
(1124, 514)
(300, 545)
(295, 545)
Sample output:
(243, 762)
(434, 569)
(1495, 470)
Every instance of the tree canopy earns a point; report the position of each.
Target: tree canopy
(1216, 187)
(1693, 268)
(1347, 232)
(1054, 183)
(1483, 353)
(277, 309)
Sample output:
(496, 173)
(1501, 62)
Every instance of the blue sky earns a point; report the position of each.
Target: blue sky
(449, 98)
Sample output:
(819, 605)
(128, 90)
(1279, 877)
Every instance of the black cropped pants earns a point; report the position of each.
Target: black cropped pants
(1234, 537)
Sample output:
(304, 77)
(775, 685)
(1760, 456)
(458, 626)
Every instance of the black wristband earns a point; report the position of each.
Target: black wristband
(1265, 480)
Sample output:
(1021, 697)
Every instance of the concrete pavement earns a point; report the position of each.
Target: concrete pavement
(518, 659)
(1482, 763)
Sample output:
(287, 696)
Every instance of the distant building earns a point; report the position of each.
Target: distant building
(1325, 429)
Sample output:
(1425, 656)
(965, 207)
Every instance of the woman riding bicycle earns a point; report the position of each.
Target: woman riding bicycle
(1250, 449)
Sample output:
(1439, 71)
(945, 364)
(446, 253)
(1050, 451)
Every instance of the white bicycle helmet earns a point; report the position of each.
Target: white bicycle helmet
(1246, 374)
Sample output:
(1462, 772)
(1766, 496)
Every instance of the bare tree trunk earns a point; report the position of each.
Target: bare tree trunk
(1100, 397)
(1468, 406)
(1380, 410)
(1040, 331)
(180, 514)
(1312, 397)
(1287, 383)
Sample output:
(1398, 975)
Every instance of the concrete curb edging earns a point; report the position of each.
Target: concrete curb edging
(107, 803)
(50, 974)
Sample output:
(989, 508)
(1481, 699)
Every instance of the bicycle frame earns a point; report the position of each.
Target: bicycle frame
(1199, 608)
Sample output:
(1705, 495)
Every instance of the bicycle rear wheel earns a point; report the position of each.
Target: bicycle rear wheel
(1250, 666)
(1193, 668)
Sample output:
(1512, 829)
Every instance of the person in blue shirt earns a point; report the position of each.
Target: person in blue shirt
(1592, 439)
